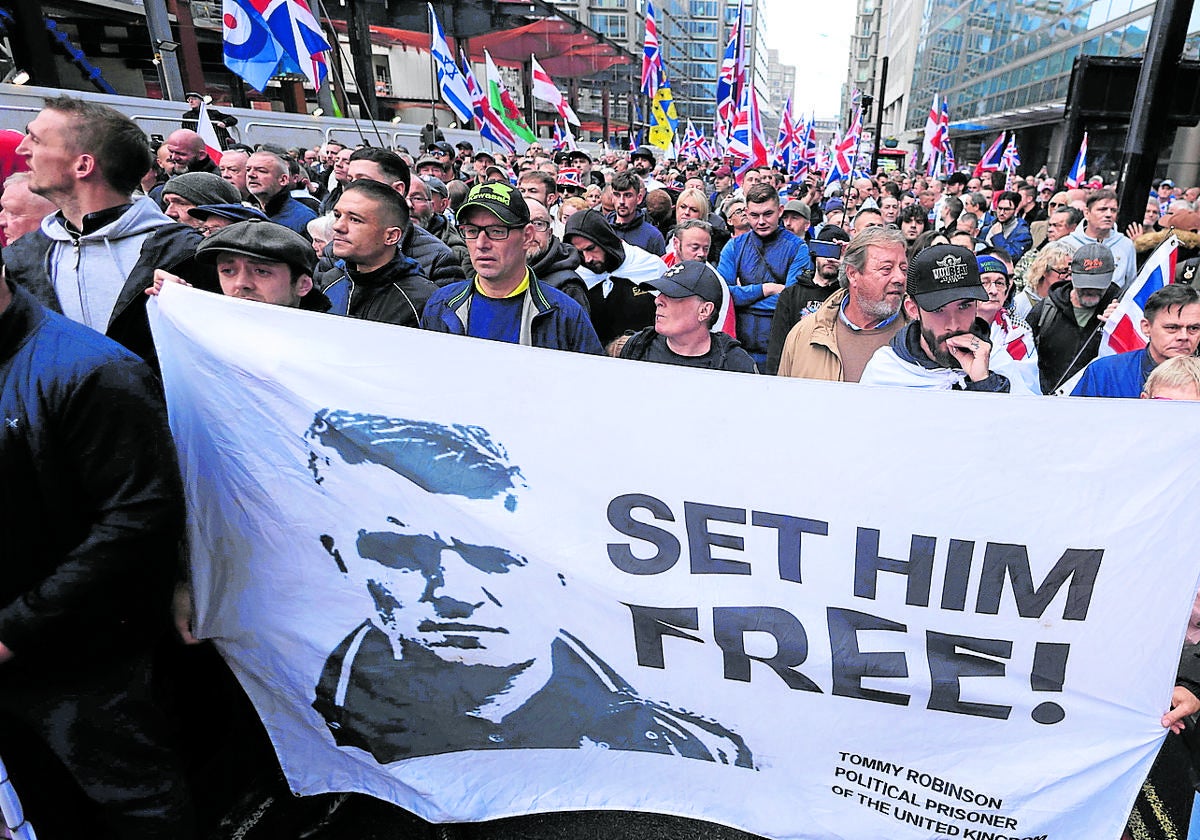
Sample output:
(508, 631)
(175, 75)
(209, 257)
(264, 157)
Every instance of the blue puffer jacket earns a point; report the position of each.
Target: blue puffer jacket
(548, 319)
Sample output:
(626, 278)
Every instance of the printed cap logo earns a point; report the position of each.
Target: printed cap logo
(1093, 264)
(950, 269)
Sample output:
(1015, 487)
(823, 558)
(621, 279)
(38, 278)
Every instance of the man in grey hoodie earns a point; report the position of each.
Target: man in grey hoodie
(93, 259)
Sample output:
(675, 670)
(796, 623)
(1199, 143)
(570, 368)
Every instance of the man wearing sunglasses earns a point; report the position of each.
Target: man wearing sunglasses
(505, 301)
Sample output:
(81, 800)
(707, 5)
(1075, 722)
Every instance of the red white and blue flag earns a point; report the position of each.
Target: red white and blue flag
(747, 142)
(1078, 173)
(992, 157)
(491, 127)
(691, 142)
(931, 143)
(704, 151)
(808, 148)
(1123, 330)
(787, 141)
(652, 66)
(1011, 158)
(729, 84)
(846, 150)
(266, 38)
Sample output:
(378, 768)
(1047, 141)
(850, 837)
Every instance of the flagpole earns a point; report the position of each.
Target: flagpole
(1119, 299)
(433, 78)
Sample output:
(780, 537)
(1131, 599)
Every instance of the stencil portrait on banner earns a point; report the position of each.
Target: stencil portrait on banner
(454, 655)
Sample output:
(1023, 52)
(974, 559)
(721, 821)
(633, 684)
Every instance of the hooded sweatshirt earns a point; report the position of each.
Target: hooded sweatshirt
(98, 277)
(617, 304)
(557, 268)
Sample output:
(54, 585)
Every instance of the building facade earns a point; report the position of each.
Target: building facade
(1005, 65)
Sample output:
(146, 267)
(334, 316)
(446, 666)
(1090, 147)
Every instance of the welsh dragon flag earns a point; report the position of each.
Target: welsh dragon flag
(502, 102)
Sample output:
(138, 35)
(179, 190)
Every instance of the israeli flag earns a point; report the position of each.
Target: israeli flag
(450, 79)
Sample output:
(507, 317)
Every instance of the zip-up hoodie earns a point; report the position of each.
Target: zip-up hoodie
(98, 278)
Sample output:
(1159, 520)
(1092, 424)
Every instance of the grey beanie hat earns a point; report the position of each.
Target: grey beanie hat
(202, 188)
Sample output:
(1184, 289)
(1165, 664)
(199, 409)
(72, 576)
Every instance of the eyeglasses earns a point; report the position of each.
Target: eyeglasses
(995, 284)
(1062, 272)
(1058, 204)
(538, 224)
(496, 233)
(1008, 207)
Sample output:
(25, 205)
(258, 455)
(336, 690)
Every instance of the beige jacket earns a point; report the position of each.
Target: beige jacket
(811, 351)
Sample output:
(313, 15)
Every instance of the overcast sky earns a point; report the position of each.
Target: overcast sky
(814, 35)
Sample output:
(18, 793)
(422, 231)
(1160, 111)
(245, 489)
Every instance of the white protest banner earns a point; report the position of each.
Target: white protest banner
(482, 580)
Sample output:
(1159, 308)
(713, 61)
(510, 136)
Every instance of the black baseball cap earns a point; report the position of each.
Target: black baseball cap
(502, 200)
(690, 277)
(261, 240)
(944, 273)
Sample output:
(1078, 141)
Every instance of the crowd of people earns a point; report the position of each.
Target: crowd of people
(896, 279)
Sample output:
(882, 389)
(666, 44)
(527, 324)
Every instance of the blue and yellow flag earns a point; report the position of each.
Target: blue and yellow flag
(666, 120)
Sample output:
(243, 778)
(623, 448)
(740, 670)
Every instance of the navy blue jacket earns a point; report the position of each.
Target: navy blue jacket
(91, 504)
(639, 232)
(292, 214)
(1121, 375)
(549, 318)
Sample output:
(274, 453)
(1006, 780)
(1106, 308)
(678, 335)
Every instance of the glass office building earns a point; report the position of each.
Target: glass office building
(1006, 64)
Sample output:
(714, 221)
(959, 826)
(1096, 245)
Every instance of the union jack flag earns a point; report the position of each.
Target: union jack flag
(747, 141)
(652, 67)
(729, 86)
(491, 127)
(1011, 159)
(808, 149)
(787, 142)
(991, 160)
(691, 141)
(1079, 168)
(845, 151)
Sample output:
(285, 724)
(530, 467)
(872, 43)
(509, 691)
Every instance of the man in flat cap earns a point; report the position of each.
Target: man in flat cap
(261, 261)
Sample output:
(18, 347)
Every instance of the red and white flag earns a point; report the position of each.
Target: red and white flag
(545, 90)
(208, 133)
